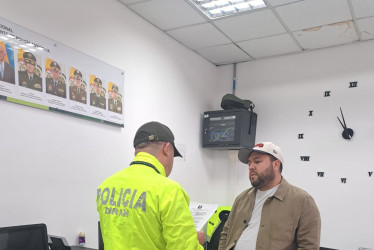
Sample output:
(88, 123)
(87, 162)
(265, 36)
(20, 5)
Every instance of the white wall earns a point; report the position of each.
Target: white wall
(284, 89)
(51, 164)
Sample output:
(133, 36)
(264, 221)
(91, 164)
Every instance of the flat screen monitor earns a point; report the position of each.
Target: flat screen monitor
(30, 237)
(229, 129)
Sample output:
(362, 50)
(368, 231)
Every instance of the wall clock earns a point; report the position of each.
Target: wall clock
(343, 121)
(347, 132)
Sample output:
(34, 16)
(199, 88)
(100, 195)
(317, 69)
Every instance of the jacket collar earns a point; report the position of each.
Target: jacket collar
(143, 156)
(282, 189)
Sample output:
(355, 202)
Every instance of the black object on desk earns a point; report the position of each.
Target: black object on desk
(33, 237)
(58, 244)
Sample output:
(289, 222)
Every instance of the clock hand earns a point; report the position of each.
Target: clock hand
(342, 123)
(345, 125)
(347, 132)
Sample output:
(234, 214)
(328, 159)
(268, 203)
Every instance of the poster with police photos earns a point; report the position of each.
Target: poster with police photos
(39, 72)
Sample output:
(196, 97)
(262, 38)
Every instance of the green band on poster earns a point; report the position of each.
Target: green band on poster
(34, 105)
(10, 99)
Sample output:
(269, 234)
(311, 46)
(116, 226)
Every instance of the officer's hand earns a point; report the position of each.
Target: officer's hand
(201, 237)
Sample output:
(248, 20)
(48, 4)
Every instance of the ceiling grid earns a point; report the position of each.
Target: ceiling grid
(282, 27)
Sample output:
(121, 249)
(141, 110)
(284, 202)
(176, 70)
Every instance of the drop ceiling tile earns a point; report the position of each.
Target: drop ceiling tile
(281, 2)
(252, 25)
(270, 46)
(366, 27)
(199, 36)
(326, 36)
(313, 13)
(168, 14)
(132, 1)
(363, 8)
(223, 54)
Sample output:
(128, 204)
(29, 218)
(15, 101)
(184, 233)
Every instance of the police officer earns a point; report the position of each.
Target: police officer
(29, 78)
(97, 99)
(78, 91)
(114, 103)
(55, 85)
(139, 207)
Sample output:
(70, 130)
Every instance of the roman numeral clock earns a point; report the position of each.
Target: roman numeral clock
(343, 133)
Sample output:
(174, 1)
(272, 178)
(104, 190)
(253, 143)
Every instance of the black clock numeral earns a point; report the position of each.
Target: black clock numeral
(352, 84)
(343, 180)
(304, 158)
(310, 112)
(320, 174)
(301, 136)
(370, 173)
(327, 93)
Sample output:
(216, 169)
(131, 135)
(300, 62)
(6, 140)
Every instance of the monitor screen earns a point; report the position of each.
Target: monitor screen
(229, 129)
(30, 237)
(222, 128)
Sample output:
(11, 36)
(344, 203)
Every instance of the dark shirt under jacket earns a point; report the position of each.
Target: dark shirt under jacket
(57, 89)
(35, 83)
(8, 73)
(97, 101)
(115, 106)
(78, 94)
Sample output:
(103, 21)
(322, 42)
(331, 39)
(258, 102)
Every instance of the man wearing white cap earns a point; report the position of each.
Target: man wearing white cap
(272, 214)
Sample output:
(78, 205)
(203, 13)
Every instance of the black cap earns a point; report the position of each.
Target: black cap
(155, 131)
(55, 66)
(114, 88)
(29, 58)
(98, 82)
(77, 74)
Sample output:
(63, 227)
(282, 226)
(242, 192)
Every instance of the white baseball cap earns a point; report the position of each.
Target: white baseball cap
(262, 147)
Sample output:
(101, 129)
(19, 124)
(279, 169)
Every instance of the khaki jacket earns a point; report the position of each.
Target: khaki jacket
(290, 220)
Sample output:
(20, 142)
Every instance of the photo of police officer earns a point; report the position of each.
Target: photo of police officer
(97, 99)
(55, 84)
(29, 78)
(114, 102)
(77, 91)
(6, 70)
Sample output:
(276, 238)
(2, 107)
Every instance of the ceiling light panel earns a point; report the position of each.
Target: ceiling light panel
(220, 8)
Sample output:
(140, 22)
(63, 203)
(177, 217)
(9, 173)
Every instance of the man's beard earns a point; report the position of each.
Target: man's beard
(264, 178)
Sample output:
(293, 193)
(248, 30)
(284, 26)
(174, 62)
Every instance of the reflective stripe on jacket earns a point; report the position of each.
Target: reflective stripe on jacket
(140, 208)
